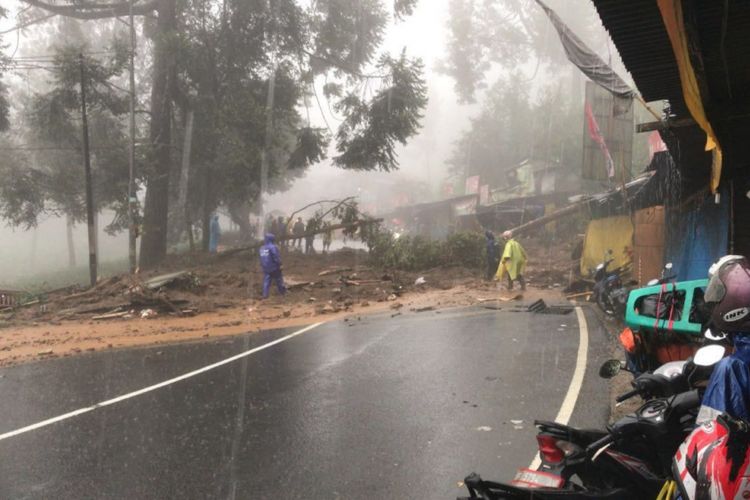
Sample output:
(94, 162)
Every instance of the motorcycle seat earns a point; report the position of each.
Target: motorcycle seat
(574, 434)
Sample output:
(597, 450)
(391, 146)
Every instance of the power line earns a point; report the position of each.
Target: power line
(53, 57)
(27, 24)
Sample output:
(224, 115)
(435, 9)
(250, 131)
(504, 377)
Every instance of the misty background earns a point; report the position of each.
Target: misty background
(427, 162)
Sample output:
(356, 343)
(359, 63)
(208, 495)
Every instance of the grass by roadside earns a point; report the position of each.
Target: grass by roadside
(79, 275)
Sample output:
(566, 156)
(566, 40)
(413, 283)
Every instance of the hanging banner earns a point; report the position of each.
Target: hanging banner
(655, 144)
(586, 59)
(607, 137)
(672, 15)
(596, 136)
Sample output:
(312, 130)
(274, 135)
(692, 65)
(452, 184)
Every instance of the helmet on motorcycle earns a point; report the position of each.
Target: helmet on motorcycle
(728, 292)
(719, 263)
(712, 463)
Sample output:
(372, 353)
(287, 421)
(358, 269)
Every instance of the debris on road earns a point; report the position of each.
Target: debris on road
(335, 270)
(424, 309)
(148, 313)
(538, 306)
(518, 296)
(420, 281)
(112, 315)
(181, 278)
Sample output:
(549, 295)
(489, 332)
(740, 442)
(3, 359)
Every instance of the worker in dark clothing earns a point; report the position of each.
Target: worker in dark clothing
(492, 254)
(282, 233)
(298, 230)
(270, 262)
(214, 234)
(312, 225)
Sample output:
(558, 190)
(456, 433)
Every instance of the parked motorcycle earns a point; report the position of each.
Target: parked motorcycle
(609, 291)
(631, 458)
(666, 276)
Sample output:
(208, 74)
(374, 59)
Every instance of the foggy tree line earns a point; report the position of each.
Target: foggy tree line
(243, 70)
(222, 65)
(506, 56)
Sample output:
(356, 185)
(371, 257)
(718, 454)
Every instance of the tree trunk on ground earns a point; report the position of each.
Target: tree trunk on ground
(71, 245)
(154, 240)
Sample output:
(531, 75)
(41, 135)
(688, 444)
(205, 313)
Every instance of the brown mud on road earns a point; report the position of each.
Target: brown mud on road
(20, 344)
(220, 296)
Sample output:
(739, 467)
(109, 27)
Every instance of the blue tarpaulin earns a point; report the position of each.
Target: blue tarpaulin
(696, 238)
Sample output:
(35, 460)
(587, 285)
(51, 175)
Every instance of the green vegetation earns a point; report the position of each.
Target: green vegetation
(416, 253)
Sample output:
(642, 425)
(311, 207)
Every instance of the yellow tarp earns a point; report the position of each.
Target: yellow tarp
(602, 235)
(671, 13)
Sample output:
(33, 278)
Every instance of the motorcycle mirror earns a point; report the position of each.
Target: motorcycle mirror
(716, 337)
(653, 282)
(610, 368)
(668, 267)
(709, 355)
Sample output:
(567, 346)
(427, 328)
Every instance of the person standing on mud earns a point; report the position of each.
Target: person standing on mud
(513, 261)
(327, 238)
(492, 252)
(270, 262)
(310, 238)
(214, 234)
(298, 230)
(281, 228)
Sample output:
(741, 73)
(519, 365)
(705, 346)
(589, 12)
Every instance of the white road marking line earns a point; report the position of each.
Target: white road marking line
(569, 403)
(81, 411)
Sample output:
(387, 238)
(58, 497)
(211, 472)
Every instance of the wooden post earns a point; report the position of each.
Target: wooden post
(87, 172)
(132, 200)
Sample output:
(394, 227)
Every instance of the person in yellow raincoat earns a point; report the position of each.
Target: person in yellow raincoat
(513, 262)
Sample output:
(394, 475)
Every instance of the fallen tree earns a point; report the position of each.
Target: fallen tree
(626, 192)
(333, 227)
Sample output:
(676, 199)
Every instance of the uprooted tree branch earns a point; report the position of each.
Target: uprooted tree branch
(333, 227)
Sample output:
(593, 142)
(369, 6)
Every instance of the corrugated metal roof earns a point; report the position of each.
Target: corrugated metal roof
(638, 32)
(720, 51)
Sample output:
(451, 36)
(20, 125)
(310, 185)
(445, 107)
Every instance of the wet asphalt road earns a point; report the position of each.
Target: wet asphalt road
(384, 408)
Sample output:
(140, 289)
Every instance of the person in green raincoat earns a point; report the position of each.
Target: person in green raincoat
(513, 262)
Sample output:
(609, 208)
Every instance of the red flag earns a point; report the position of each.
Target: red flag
(597, 137)
(655, 144)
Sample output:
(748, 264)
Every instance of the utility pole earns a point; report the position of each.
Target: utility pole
(132, 199)
(270, 98)
(87, 171)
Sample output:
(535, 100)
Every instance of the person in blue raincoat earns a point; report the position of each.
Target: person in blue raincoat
(728, 291)
(270, 262)
(214, 234)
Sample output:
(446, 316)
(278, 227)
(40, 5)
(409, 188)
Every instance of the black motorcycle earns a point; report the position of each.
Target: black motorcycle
(631, 458)
(609, 292)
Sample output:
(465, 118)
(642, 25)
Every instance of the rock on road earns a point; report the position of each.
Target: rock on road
(381, 407)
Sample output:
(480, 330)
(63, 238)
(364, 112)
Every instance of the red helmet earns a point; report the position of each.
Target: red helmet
(728, 292)
(714, 461)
